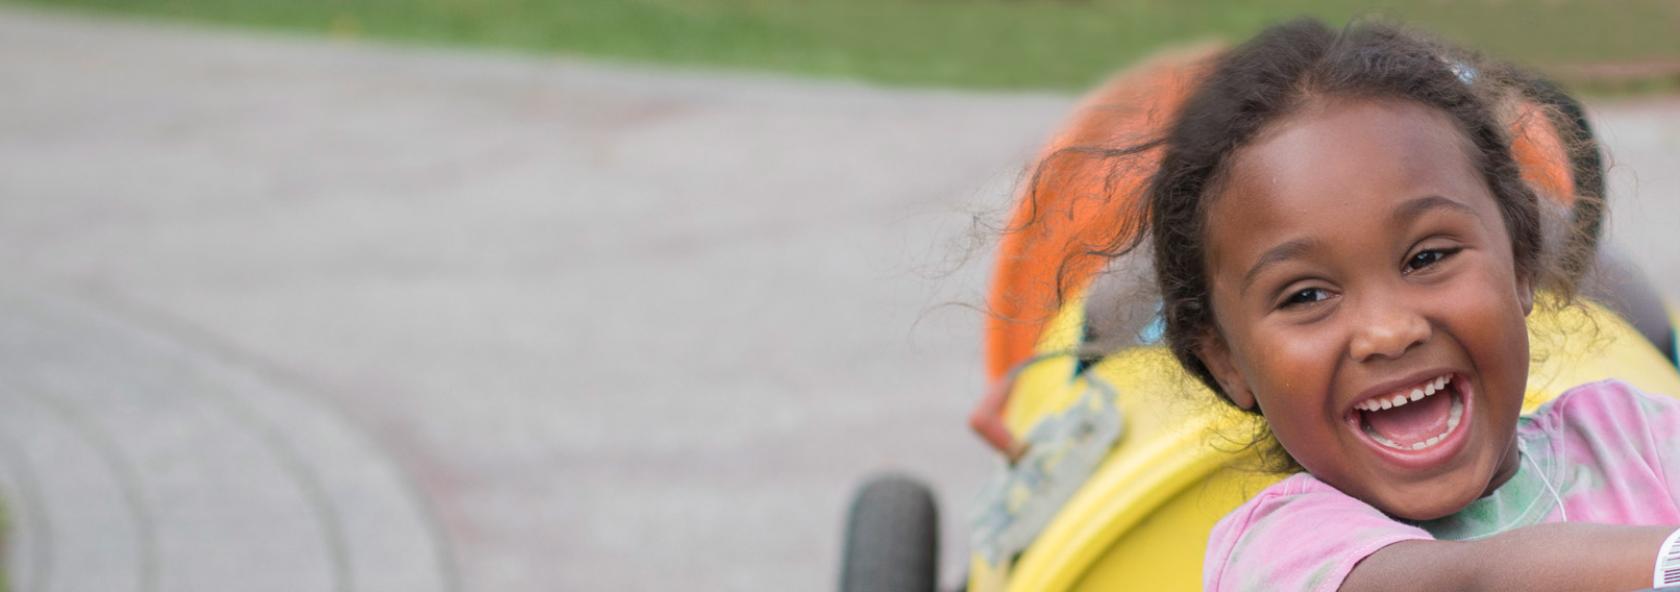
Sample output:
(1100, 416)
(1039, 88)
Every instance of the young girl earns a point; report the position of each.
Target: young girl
(1344, 245)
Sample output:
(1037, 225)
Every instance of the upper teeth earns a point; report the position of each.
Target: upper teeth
(1403, 396)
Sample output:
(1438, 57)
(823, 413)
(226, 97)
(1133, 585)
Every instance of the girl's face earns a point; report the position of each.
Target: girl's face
(1357, 260)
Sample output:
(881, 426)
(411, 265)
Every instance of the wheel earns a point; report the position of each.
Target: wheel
(892, 538)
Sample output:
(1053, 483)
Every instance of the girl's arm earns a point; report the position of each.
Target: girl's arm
(1560, 556)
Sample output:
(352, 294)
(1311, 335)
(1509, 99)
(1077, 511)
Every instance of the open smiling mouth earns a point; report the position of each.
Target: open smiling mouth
(1415, 422)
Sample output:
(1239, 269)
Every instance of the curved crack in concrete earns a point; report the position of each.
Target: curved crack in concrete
(121, 467)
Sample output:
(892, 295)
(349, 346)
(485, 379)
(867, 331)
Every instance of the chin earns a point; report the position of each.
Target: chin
(1430, 501)
(1420, 512)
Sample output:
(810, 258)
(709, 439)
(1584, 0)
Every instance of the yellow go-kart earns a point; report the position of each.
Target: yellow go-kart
(1118, 464)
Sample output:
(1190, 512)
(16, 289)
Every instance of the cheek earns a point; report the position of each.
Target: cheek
(1292, 367)
(1488, 318)
(1491, 300)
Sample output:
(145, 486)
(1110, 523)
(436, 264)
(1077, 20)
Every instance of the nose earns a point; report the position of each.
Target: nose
(1386, 328)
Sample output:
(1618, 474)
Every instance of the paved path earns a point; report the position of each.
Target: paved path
(137, 461)
(299, 315)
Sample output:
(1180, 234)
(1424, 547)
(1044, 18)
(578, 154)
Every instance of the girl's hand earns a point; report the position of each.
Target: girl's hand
(1564, 556)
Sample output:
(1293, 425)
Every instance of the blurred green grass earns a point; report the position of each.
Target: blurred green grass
(1000, 44)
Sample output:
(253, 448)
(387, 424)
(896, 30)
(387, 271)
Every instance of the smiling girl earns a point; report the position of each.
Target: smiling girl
(1345, 246)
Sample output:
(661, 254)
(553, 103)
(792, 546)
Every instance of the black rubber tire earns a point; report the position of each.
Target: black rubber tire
(892, 538)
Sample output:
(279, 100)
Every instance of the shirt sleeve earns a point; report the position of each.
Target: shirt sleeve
(1664, 415)
(1299, 534)
(1626, 430)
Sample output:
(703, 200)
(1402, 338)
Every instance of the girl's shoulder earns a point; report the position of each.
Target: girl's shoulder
(1605, 404)
(1613, 452)
(1277, 540)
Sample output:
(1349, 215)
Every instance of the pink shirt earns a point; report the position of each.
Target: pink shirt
(1612, 454)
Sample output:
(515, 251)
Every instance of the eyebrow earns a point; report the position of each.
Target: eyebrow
(1415, 207)
(1278, 254)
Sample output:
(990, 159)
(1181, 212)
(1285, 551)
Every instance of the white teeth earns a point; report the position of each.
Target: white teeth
(1379, 438)
(1404, 397)
(1454, 415)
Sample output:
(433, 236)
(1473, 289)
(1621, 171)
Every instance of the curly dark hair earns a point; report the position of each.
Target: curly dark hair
(1272, 76)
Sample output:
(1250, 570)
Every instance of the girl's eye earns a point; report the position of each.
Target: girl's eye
(1428, 257)
(1304, 297)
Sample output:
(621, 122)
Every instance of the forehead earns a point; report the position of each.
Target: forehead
(1338, 162)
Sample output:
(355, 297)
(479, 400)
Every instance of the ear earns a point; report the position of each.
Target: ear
(1525, 294)
(1216, 355)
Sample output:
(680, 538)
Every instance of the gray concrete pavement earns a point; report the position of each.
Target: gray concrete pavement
(296, 314)
(138, 461)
